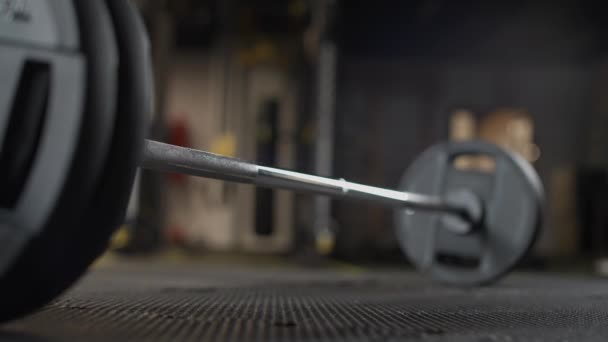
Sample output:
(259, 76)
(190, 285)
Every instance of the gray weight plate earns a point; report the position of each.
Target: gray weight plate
(511, 195)
(51, 212)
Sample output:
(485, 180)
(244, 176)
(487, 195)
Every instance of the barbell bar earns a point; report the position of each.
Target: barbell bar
(164, 157)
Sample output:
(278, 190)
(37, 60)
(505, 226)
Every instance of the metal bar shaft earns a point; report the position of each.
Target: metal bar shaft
(170, 158)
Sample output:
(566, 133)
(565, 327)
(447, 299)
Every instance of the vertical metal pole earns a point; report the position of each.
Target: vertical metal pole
(326, 89)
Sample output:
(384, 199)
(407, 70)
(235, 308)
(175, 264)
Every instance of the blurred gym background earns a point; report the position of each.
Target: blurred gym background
(357, 90)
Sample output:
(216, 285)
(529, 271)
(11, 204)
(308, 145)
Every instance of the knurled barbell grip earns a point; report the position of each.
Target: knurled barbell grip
(170, 158)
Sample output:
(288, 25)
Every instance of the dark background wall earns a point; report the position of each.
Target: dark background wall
(404, 65)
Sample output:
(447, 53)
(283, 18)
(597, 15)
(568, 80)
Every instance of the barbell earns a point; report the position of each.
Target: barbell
(77, 89)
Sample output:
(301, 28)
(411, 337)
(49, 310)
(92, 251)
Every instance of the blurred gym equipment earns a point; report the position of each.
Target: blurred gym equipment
(73, 110)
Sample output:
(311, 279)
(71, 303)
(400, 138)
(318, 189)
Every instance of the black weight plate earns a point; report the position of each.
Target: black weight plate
(512, 198)
(62, 254)
(46, 266)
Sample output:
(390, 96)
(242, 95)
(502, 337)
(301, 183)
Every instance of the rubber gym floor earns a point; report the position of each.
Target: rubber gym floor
(193, 301)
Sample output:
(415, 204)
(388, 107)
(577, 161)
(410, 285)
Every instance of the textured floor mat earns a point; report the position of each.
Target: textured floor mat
(188, 303)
